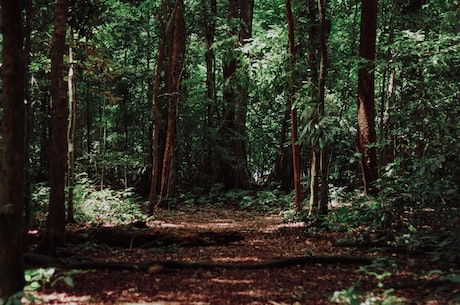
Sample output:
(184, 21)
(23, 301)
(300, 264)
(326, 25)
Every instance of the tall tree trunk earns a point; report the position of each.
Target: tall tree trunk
(386, 153)
(366, 108)
(315, 170)
(209, 26)
(324, 151)
(29, 118)
(234, 172)
(13, 152)
(71, 131)
(176, 58)
(55, 223)
(155, 180)
(294, 131)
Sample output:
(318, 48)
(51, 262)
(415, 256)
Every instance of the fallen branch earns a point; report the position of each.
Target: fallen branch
(170, 264)
(146, 238)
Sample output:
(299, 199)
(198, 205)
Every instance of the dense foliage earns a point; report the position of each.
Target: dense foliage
(115, 46)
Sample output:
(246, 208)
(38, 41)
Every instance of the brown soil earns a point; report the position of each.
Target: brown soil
(266, 238)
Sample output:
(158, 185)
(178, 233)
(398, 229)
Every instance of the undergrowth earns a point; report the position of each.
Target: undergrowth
(93, 205)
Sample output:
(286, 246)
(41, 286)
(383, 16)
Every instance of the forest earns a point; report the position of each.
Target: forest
(230, 152)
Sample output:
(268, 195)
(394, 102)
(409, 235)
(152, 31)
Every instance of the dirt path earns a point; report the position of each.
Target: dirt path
(266, 238)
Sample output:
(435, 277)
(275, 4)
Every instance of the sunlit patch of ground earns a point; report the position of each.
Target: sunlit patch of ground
(34, 297)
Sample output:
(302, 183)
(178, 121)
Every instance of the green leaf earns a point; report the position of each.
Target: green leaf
(69, 281)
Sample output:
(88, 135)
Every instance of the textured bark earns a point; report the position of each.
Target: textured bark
(386, 152)
(55, 224)
(176, 57)
(366, 108)
(71, 132)
(12, 153)
(28, 218)
(324, 151)
(155, 180)
(313, 40)
(294, 131)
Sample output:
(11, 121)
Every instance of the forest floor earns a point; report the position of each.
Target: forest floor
(266, 267)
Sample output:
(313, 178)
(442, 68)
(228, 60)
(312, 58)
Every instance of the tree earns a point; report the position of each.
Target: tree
(176, 57)
(314, 106)
(324, 149)
(71, 130)
(55, 223)
(171, 57)
(209, 28)
(234, 172)
(366, 108)
(294, 132)
(13, 152)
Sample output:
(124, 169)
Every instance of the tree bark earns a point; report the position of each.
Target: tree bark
(71, 132)
(283, 169)
(13, 151)
(28, 218)
(155, 180)
(55, 223)
(315, 170)
(294, 131)
(324, 151)
(366, 108)
(176, 58)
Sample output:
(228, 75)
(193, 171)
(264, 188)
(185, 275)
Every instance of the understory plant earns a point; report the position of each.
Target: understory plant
(105, 206)
(92, 204)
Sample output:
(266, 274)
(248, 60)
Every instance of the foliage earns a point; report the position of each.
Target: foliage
(354, 295)
(115, 53)
(105, 206)
(36, 279)
(93, 205)
(260, 200)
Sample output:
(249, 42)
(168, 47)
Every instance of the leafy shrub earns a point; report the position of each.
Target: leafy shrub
(92, 205)
(103, 206)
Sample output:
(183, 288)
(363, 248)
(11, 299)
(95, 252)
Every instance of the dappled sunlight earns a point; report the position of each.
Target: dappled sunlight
(247, 259)
(232, 281)
(254, 293)
(278, 226)
(55, 298)
(173, 298)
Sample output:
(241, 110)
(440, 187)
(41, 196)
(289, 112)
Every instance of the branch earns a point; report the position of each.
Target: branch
(157, 266)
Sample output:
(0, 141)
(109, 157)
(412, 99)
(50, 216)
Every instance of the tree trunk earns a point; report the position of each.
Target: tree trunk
(234, 172)
(71, 130)
(324, 150)
(28, 218)
(366, 108)
(315, 170)
(155, 181)
(176, 58)
(283, 170)
(206, 160)
(386, 153)
(13, 152)
(55, 224)
(294, 131)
